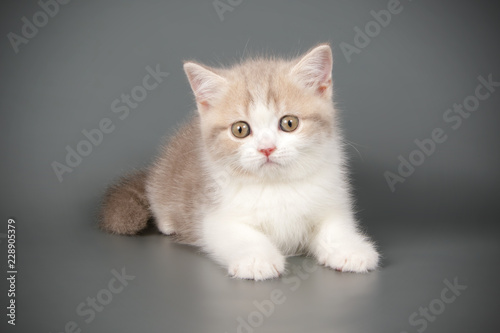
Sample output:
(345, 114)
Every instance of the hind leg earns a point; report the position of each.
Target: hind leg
(165, 226)
(159, 210)
(162, 219)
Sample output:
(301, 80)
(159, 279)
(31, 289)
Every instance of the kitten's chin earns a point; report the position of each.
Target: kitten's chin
(274, 171)
(270, 164)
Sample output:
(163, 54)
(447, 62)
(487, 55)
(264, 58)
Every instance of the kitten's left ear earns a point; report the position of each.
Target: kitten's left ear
(315, 70)
(206, 84)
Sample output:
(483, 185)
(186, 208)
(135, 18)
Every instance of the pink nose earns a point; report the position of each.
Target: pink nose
(267, 151)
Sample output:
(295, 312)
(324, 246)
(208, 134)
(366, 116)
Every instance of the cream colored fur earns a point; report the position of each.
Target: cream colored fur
(246, 210)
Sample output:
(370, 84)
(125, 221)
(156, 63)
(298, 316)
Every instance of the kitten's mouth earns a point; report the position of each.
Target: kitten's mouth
(270, 162)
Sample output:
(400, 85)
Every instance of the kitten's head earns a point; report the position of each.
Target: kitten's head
(266, 118)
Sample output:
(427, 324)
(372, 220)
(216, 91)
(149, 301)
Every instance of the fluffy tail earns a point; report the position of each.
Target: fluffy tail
(125, 208)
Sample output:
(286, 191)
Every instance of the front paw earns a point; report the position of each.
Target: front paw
(357, 257)
(257, 266)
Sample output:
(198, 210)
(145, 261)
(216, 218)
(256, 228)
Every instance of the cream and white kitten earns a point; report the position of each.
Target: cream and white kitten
(256, 175)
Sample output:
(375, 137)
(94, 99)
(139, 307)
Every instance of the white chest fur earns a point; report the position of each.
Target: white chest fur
(286, 211)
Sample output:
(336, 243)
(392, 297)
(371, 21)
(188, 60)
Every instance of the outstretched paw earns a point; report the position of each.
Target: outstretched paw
(257, 267)
(359, 258)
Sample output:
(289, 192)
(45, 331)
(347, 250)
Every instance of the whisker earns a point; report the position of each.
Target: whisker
(352, 145)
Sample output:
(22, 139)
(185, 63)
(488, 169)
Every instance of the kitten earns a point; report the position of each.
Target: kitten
(258, 174)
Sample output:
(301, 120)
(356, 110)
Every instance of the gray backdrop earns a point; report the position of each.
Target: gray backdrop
(64, 67)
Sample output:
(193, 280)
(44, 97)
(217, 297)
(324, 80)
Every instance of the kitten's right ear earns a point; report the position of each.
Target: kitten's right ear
(206, 84)
(315, 70)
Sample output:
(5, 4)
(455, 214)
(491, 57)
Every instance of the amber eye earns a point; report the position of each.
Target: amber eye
(289, 123)
(240, 129)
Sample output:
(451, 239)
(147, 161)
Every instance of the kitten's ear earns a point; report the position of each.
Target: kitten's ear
(315, 70)
(206, 84)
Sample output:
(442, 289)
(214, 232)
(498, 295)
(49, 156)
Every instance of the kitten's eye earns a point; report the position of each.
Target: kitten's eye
(240, 129)
(289, 123)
